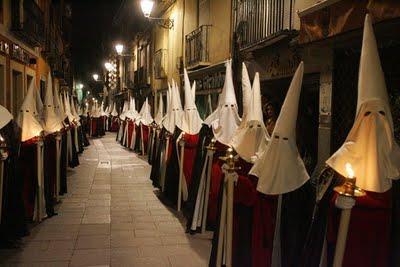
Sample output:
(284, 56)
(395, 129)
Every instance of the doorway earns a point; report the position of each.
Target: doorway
(17, 91)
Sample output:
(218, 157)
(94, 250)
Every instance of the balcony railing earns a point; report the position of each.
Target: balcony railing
(197, 47)
(260, 21)
(27, 22)
(160, 63)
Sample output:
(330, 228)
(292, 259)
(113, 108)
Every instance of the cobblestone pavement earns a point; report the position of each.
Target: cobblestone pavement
(110, 217)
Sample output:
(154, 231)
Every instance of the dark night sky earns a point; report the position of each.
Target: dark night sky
(93, 34)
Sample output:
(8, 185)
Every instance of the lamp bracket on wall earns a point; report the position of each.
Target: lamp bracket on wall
(165, 23)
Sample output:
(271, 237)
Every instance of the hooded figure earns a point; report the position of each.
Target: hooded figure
(114, 119)
(374, 156)
(114, 111)
(280, 169)
(370, 146)
(160, 111)
(251, 138)
(191, 122)
(31, 157)
(282, 216)
(27, 118)
(144, 121)
(131, 121)
(145, 114)
(52, 121)
(225, 119)
(12, 224)
(173, 118)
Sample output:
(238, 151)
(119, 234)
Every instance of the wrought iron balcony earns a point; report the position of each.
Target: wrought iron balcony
(197, 47)
(27, 22)
(262, 22)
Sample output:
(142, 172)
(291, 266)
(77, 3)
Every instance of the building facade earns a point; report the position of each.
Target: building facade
(35, 37)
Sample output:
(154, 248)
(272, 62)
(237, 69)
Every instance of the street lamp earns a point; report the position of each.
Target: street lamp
(119, 48)
(147, 7)
(79, 86)
(96, 77)
(108, 66)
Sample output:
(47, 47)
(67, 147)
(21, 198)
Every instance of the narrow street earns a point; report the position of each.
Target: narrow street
(111, 216)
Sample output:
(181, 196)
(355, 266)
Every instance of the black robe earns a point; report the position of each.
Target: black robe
(63, 163)
(159, 149)
(172, 172)
(205, 136)
(74, 161)
(50, 173)
(12, 225)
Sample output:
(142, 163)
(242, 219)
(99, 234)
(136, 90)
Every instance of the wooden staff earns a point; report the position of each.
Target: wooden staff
(40, 180)
(181, 176)
(226, 223)
(210, 151)
(58, 162)
(3, 158)
(164, 164)
(348, 191)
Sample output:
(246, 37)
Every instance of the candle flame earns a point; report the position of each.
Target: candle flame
(349, 170)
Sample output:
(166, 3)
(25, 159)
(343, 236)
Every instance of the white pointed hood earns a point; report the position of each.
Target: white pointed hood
(191, 122)
(125, 109)
(370, 147)
(67, 108)
(27, 117)
(57, 107)
(225, 119)
(251, 138)
(174, 114)
(159, 116)
(280, 168)
(39, 107)
(62, 106)
(145, 114)
(114, 111)
(74, 112)
(132, 112)
(52, 121)
(5, 117)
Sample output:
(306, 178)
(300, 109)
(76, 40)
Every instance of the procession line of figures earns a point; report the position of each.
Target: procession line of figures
(250, 186)
(36, 150)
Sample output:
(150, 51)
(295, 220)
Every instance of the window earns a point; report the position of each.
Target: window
(17, 92)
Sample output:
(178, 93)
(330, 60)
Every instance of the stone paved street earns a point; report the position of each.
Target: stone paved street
(110, 217)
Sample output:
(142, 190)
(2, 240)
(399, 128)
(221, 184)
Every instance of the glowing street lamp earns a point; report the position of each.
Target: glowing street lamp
(79, 86)
(147, 7)
(119, 48)
(108, 66)
(96, 77)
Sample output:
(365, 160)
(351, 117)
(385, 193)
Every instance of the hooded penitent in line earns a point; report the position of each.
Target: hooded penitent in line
(160, 111)
(13, 223)
(280, 169)
(191, 122)
(225, 119)
(132, 118)
(27, 117)
(282, 175)
(155, 130)
(31, 156)
(173, 118)
(145, 120)
(52, 121)
(114, 122)
(373, 154)
(220, 126)
(188, 131)
(251, 138)
(122, 121)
